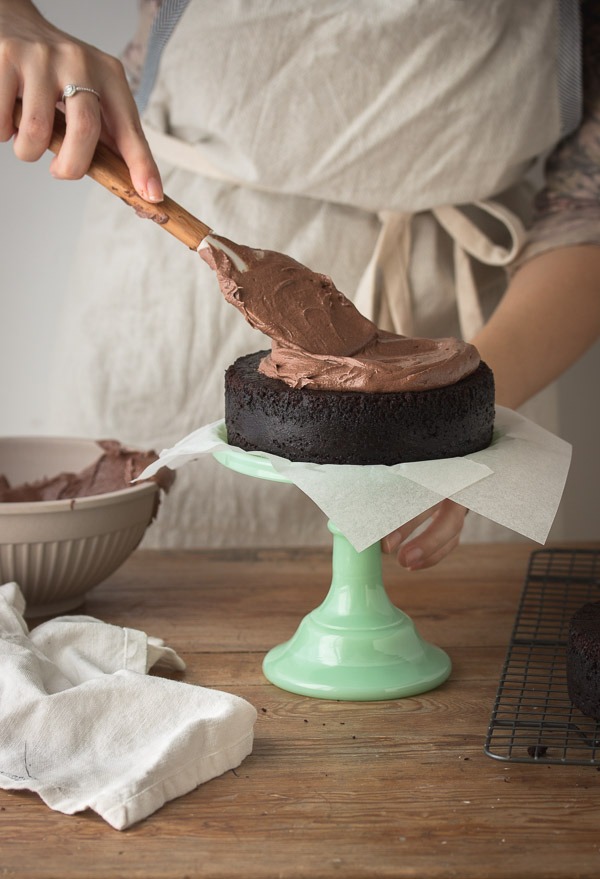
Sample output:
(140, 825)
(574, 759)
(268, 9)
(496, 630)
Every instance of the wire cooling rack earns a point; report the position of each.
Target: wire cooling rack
(533, 719)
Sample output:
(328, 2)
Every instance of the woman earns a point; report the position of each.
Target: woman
(347, 143)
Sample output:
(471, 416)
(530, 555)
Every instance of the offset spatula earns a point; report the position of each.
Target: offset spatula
(110, 171)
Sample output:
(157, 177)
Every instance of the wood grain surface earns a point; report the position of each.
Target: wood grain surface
(382, 789)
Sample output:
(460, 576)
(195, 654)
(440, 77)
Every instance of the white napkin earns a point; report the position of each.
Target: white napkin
(517, 481)
(82, 725)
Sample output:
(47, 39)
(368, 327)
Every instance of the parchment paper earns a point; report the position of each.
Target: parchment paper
(517, 481)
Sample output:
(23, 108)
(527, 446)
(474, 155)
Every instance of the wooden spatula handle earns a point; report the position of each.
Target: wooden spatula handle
(111, 171)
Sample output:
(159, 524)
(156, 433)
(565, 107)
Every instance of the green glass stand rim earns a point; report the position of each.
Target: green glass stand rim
(248, 463)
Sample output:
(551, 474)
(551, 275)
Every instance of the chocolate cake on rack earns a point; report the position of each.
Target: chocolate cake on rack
(583, 659)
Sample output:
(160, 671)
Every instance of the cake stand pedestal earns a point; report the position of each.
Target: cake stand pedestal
(356, 645)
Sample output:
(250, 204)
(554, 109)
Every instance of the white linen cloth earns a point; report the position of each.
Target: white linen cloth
(82, 724)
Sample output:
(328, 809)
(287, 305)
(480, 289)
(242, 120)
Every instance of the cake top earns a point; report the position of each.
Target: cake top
(319, 338)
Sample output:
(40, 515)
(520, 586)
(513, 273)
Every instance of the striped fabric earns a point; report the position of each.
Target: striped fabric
(570, 88)
(168, 15)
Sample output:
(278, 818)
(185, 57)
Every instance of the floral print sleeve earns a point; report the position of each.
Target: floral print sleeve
(134, 54)
(567, 210)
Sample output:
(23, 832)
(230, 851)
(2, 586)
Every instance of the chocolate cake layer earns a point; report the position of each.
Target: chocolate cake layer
(354, 427)
(583, 659)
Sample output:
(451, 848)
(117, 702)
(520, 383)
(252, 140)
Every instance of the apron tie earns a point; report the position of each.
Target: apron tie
(470, 241)
(383, 292)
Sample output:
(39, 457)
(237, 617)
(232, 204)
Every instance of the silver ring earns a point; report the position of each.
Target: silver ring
(71, 90)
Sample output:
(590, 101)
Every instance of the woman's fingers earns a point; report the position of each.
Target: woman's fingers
(82, 131)
(37, 61)
(35, 128)
(434, 543)
(439, 552)
(393, 540)
(115, 120)
(9, 85)
(124, 130)
(144, 172)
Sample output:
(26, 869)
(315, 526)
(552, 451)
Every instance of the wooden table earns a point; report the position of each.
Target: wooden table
(381, 789)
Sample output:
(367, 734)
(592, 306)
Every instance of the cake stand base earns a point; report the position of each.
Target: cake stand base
(356, 646)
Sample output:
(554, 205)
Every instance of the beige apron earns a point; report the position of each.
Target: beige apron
(401, 116)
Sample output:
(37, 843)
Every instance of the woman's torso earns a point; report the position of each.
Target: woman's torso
(330, 115)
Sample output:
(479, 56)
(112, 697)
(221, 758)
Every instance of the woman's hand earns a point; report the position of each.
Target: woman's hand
(431, 545)
(37, 61)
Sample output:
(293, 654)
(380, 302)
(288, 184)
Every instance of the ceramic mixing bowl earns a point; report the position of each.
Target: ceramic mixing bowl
(58, 550)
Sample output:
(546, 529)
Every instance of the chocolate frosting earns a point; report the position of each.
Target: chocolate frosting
(115, 468)
(319, 338)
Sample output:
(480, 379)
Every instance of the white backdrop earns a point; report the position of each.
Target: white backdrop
(40, 219)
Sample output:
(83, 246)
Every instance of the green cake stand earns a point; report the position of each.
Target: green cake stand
(356, 646)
